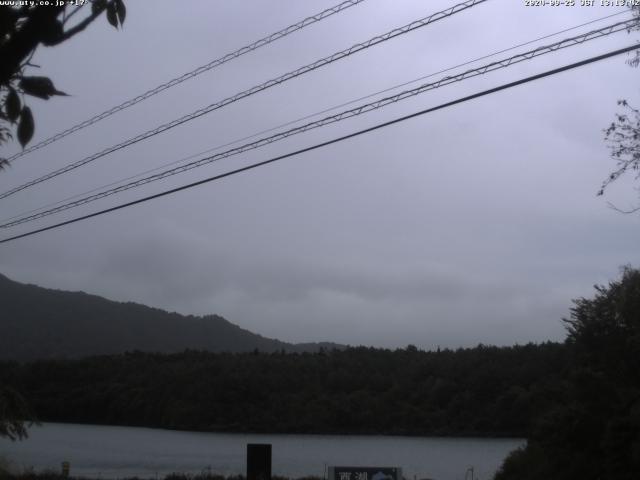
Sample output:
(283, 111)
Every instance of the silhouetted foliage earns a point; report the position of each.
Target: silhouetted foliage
(594, 431)
(14, 412)
(487, 391)
(23, 28)
(623, 135)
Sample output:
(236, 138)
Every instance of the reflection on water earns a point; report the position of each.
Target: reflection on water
(115, 452)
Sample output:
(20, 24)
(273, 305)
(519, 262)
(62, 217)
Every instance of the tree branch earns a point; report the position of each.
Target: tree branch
(619, 210)
(20, 45)
(76, 10)
(82, 25)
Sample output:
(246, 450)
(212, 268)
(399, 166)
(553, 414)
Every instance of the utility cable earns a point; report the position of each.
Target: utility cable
(273, 82)
(306, 117)
(569, 42)
(193, 73)
(483, 93)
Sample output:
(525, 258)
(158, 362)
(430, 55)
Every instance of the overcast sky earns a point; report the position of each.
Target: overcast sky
(474, 224)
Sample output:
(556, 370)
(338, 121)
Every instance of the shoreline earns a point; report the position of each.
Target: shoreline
(438, 436)
(100, 452)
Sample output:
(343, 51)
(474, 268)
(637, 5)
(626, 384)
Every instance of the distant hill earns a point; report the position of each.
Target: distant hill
(37, 323)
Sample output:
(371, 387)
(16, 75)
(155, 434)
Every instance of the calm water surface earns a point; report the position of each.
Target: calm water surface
(115, 452)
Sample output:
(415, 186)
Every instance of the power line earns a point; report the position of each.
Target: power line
(504, 63)
(273, 82)
(306, 117)
(620, 26)
(193, 73)
(335, 140)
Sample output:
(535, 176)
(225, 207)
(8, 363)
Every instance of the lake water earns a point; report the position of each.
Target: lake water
(116, 452)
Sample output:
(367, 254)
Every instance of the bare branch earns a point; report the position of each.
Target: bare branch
(619, 210)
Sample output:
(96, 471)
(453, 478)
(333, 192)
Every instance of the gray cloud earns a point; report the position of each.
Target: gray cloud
(477, 223)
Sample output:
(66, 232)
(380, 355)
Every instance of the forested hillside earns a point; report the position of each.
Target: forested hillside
(43, 323)
(578, 403)
(479, 391)
(592, 430)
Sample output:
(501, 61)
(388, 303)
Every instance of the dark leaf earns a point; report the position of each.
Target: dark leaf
(98, 6)
(5, 135)
(25, 127)
(51, 32)
(121, 10)
(8, 18)
(112, 14)
(41, 87)
(13, 106)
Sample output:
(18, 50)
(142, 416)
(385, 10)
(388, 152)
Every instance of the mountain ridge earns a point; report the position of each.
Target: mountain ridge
(38, 323)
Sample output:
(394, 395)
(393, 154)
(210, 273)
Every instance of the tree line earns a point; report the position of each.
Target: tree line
(487, 391)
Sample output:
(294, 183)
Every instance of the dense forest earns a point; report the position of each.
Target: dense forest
(478, 391)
